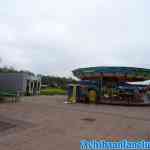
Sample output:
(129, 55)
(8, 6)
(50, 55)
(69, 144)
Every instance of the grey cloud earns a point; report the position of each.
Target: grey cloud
(55, 37)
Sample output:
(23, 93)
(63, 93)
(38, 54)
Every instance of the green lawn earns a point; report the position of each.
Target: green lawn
(53, 91)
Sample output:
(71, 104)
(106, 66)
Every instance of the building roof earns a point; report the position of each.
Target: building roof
(130, 74)
(19, 74)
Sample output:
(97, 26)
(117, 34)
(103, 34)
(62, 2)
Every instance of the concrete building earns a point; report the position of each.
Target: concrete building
(23, 83)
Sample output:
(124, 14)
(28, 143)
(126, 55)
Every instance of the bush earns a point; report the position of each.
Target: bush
(53, 91)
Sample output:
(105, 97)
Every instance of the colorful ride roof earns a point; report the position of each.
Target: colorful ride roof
(127, 74)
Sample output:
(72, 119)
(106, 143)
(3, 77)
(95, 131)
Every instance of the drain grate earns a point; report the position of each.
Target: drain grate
(89, 119)
(5, 126)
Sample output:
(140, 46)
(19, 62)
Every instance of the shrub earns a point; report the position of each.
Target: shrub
(53, 91)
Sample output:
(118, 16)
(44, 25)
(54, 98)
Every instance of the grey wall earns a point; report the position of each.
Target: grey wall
(18, 82)
(12, 81)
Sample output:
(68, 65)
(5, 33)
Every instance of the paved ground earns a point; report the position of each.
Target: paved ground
(46, 123)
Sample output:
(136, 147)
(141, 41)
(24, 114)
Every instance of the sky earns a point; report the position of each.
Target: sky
(54, 37)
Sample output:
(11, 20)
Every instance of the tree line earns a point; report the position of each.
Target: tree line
(13, 70)
(46, 80)
(52, 81)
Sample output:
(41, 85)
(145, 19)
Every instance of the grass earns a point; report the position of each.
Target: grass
(53, 91)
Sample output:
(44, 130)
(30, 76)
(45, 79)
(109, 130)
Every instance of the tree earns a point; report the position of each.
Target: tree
(52, 81)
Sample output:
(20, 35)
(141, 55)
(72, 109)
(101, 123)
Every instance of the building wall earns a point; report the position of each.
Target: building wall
(34, 85)
(19, 82)
(12, 81)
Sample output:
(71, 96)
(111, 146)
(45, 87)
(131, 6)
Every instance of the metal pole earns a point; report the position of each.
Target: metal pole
(101, 84)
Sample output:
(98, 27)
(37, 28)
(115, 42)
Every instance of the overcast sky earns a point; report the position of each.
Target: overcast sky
(56, 36)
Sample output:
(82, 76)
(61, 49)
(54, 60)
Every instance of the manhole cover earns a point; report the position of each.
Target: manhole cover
(5, 126)
(89, 119)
